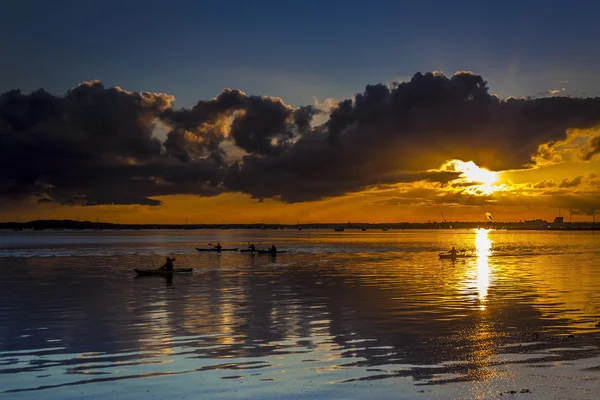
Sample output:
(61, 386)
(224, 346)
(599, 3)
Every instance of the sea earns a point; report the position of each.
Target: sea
(339, 315)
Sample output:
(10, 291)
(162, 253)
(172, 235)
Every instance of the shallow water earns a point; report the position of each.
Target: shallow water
(342, 315)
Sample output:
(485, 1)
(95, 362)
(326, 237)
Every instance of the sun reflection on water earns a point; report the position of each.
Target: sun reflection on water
(483, 247)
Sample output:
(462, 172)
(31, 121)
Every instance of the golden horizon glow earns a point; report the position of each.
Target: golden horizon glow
(516, 195)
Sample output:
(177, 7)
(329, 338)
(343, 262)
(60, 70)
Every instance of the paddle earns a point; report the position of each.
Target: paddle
(250, 247)
(215, 247)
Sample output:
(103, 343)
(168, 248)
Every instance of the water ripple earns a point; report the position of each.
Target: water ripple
(330, 316)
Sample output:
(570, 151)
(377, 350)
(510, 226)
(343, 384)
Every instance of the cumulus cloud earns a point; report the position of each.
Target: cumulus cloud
(569, 183)
(591, 148)
(411, 127)
(544, 184)
(550, 153)
(92, 146)
(440, 118)
(325, 106)
(258, 125)
(578, 144)
(593, 180)
(95, 145)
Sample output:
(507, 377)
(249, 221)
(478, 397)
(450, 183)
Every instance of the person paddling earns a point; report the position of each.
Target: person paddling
(168, 265)
(453, 252)
(273, 249)
(252, 248)
(218, 247)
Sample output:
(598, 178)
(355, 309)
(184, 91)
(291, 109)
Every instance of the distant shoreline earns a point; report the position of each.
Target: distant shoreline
(40, 225)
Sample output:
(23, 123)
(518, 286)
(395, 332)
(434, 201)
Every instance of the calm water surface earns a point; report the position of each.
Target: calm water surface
(342, 315)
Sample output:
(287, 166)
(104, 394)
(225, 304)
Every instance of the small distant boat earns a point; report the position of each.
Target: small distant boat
(446, 256)
(385, 229)
(340, 229)
(218, 251)
(364, 229)
(162, 272)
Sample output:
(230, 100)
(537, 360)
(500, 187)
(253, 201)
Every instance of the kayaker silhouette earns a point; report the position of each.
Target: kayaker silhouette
(453, 252)
(218, 246)
(273, 249)
(168, 265)
(252, 248)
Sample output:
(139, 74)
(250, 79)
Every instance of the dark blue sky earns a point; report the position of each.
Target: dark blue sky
(297, 50)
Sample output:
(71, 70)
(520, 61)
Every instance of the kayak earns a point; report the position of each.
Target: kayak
(161, 272)
(248, 251)
(269, 251)
(218, 251)
(451, 257)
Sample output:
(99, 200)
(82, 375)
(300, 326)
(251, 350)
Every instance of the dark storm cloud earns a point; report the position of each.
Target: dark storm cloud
(263, 126)
(455, 118)
(198, 131)
(303, 117)
(95, 145)
(92, 146)
(413, 126)
(135, 184)
(258, 125)
(312, 169)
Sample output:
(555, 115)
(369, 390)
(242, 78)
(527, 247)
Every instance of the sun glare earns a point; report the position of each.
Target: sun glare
(483, 180)
(483, 246)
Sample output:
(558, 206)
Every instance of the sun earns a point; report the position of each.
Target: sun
(482, 180)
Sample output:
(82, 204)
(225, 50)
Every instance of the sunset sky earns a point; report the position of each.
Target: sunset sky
(265, 111)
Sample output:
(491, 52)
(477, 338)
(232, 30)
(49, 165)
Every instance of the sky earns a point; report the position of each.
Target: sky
(226, 112)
